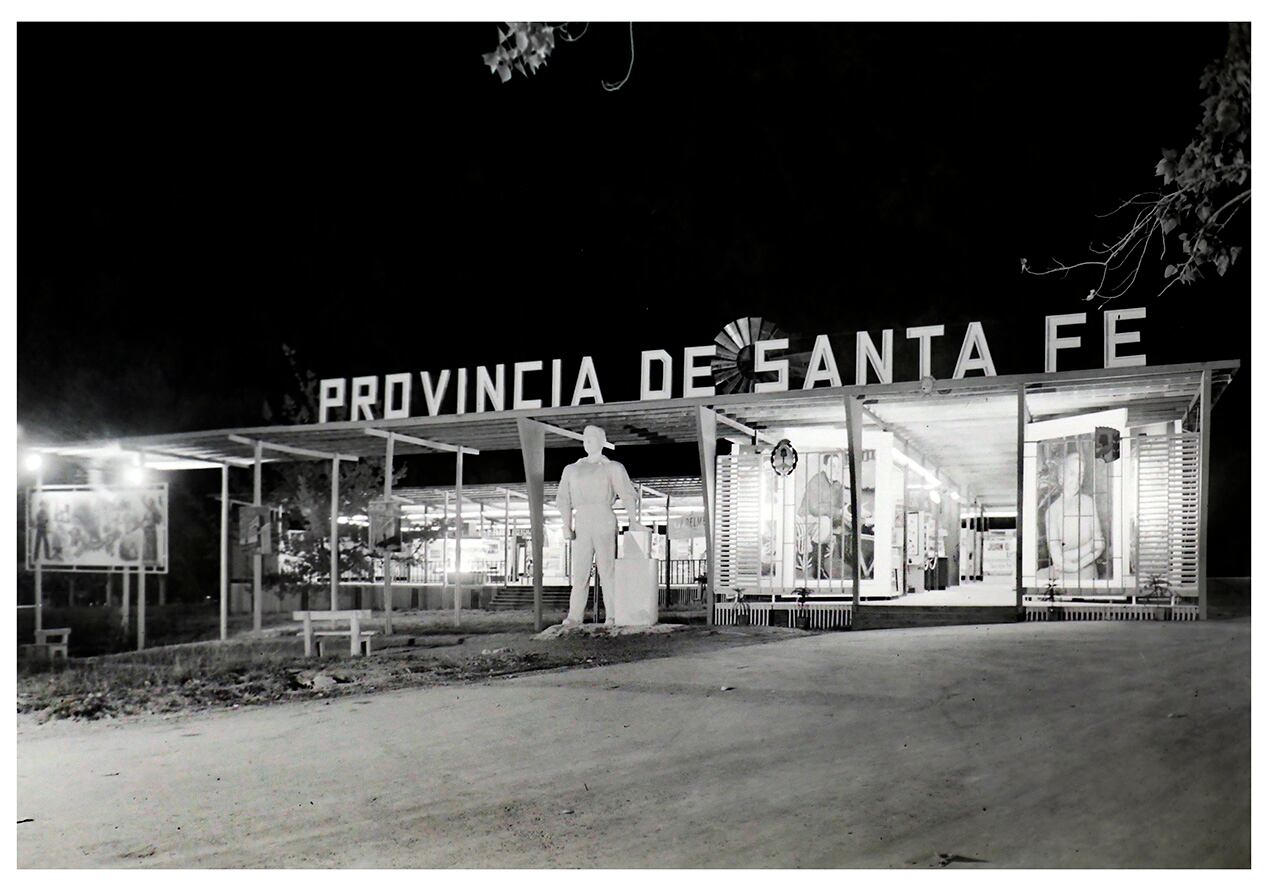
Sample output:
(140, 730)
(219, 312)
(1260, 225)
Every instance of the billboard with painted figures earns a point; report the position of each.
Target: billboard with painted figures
(95, 528)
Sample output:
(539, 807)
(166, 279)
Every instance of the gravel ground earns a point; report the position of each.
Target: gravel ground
(1078, 744)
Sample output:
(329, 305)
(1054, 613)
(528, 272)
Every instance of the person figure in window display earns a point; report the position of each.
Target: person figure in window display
(1075, 538)
(589, 487)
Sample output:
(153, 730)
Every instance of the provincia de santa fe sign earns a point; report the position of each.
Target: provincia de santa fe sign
(528, 384)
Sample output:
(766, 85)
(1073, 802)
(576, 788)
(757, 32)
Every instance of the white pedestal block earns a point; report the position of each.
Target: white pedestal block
(637, 583)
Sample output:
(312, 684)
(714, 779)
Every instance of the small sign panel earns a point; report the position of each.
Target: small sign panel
(255, 528)
(385, 526)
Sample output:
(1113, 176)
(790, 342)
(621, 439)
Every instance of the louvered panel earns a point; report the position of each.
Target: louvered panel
(1167, 509)
(737, 528)
(725, 520)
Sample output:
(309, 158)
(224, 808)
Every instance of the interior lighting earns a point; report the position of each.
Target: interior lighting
(934, 496)
(928, 474)
(34, 462)
(134, 475)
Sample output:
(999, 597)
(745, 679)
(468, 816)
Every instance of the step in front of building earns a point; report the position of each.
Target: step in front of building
(553, 598)
(869, 618)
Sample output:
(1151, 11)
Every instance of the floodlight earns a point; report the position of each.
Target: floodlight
(34, 462)
(934, 496)
(134, 475)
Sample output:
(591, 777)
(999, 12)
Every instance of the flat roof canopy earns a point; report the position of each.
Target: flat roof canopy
(965, 427)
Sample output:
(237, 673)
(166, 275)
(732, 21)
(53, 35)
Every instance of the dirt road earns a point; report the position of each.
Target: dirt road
(1065, 744)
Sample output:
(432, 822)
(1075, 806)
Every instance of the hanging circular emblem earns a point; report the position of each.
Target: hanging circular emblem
(783, 458)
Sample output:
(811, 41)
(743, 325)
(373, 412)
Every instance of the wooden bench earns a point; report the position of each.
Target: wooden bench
(55, 641)
(359, 641)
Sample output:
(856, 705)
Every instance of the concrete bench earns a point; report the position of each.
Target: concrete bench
(359, 641)
(55, 641)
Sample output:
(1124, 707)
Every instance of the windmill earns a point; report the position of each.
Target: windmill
(732, 364)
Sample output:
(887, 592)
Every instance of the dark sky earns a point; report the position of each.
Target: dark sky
(193, 196)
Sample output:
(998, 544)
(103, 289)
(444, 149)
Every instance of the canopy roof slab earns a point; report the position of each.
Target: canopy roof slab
(966, 427)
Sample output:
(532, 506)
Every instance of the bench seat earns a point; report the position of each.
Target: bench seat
(358, 640)
(56, 642)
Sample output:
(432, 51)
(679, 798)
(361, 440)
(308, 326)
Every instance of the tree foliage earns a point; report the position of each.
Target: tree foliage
(301, 489)
(526, 46)
(1205, 186)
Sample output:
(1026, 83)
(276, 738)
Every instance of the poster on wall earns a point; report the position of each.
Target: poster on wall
(823, 526)
(91, 529)
(1074, 511)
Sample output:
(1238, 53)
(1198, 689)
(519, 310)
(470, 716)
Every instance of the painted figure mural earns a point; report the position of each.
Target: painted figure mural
(1073, 512)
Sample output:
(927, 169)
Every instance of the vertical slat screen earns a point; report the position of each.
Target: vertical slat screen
(738, 536)
(1167, 510)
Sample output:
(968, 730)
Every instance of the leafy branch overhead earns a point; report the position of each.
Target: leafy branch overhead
(1205, 186)
(526, 46)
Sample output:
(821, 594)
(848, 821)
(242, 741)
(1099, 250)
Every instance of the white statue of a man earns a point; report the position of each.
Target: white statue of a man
(589, 487)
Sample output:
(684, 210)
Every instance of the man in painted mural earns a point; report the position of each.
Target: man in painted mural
(589, 487)
(1075, 538)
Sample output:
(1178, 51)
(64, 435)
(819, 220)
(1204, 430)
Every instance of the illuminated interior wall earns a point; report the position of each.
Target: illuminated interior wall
(1051, 450)
(803, 519)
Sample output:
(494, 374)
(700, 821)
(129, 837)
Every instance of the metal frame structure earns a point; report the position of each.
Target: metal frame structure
(1150, 392)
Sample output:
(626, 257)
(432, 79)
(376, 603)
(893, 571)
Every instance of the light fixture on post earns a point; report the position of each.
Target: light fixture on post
(934, 496)
(34, 462)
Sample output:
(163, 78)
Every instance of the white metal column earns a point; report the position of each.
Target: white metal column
(1204, 486)
(1021, 466)
(707, 445)
(389, 457)
(38, 562)
(257, 559)
(532, 436)
(334, 533)
(457, 547)
(224, 552)
(854, 444)
(140, 573)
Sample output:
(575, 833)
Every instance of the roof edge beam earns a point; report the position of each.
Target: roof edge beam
(743, 428)
(425, 443)
(571, 434)
(291, 450)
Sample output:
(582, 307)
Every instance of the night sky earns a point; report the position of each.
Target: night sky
(193, 196)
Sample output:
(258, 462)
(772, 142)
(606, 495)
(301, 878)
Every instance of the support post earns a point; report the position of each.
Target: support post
(224, 552)
(669, 563)
(1021, 476)
(127, 599)
(140, 576)
(506, 539)
(457, 547)
(37, 560)
(707, 445)
(109, 589)
(854, 445)
(257, 559)
(334, 533)
(1204, 487)
(444, 547)
(389, 457)
(533, 448)
(426, 563)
